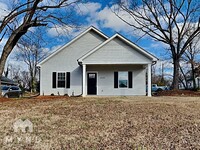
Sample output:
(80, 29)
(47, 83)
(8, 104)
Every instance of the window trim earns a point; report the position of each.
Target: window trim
(55, 80)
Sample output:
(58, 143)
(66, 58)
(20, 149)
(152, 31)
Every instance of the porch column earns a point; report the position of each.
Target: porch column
(84, 78)
(149, 80)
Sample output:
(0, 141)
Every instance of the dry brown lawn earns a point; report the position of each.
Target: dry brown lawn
(103, 123)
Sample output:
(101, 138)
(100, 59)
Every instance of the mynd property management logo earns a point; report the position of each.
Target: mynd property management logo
(23, 126)
(23, 134)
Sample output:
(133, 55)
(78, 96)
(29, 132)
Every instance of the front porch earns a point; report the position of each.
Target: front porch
(101, 79)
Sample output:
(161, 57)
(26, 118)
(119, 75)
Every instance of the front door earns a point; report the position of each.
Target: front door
(92, 83)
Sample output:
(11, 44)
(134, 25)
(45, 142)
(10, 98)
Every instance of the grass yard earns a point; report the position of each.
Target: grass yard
(103, 123)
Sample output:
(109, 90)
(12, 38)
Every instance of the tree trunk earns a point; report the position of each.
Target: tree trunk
(193, 77)
(175, 74)
(32, 84)
(0, 85)
(183, 83)
(3, 62)
(31, 80)
(185, 78)
(13, 39)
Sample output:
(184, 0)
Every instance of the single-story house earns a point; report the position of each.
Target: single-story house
(95, 64)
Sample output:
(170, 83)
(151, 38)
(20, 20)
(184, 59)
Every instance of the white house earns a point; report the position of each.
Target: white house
(94, 64)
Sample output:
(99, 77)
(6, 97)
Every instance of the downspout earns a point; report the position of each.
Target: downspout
(38, 67)
(80, 64)
(153, 63)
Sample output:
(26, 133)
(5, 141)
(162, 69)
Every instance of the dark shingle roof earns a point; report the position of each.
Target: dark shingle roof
(5, 80)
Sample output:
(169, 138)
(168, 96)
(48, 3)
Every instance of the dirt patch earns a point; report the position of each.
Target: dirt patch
(2, 99)
(178, 93)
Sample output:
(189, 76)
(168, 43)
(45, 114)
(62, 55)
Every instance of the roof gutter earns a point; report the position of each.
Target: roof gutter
(80, 62)
(153, 63)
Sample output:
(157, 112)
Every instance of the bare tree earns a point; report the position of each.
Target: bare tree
(24, 79)
(191, 57)
(159, 76)
(31, 51)
(19, 76)
(25, 14)
(14, 72)
(173, 22)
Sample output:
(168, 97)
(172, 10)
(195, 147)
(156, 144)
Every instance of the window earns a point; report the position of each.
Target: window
(92, 75)
(123, 79)
(61, 80)
(14, 88)
(5, 88)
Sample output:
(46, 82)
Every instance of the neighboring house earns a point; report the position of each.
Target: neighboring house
(189, 79)
(190, 83)
(94, 64)
(6, 81)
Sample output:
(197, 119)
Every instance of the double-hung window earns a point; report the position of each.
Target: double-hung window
(61, 80)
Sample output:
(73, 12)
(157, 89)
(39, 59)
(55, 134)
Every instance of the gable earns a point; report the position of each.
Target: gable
(66, 59)
(80, 45)
(116, 51)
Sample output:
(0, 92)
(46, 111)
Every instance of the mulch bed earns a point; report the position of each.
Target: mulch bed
(50, 97)
(43, 98)
(2, 99)
(160, 93)
(178, 93)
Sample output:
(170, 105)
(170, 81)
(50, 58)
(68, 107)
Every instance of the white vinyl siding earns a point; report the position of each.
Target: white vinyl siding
(115, 55)
(67, 60)
(116, 52)
(106, 79)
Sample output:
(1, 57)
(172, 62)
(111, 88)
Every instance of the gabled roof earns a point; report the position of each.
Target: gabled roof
(76, 38)
(144, 52)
